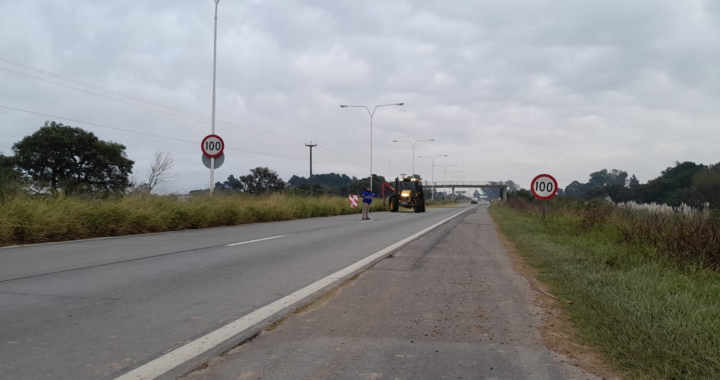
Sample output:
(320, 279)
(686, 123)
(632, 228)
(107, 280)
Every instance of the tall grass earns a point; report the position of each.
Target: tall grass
(25, 220)
(683, 234)
(650, 317)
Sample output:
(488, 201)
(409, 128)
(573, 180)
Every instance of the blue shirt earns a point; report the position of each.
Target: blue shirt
(367, 196)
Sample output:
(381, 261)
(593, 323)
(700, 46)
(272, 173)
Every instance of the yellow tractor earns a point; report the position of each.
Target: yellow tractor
(408, 194)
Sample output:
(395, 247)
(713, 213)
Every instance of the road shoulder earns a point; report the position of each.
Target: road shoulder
(447, 305)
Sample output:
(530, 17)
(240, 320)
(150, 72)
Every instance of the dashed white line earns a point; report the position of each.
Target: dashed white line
(256, 240)
(366, 221)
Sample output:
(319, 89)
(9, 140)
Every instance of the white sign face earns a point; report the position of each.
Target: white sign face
(212, 146)
(544, 186)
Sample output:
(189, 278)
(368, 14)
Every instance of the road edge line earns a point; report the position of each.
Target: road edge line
(187, 358)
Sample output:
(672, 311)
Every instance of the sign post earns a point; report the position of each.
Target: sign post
(544, 187)
(212, 147)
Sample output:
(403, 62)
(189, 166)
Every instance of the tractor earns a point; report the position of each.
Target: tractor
(408, 194)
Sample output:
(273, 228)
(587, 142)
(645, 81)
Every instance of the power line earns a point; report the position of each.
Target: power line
(193, 116)
(135, 98)
(152, 109)
(144, 133)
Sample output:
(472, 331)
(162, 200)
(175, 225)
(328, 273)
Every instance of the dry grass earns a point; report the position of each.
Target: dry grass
(25, 220)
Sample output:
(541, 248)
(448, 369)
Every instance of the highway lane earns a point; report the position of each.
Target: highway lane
(95, 309)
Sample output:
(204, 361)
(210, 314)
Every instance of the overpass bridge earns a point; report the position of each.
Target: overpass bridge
(466, 185)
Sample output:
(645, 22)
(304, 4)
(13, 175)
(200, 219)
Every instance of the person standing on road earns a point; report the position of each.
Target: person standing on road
(367, 197)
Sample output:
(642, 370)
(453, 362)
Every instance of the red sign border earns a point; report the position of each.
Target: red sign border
(202, 146)
(532, 187)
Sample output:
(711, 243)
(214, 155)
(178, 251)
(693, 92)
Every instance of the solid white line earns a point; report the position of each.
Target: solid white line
(167, 362)
(256, 240)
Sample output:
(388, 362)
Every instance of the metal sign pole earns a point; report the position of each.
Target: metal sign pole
(544, 203)
(311, 145)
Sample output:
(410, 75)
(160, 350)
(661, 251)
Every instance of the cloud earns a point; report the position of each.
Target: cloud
(507, 89)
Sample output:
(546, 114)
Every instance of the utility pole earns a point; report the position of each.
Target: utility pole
(311, 145)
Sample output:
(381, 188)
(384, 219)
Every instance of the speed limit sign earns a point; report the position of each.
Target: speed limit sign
(212, 146)
(544, 187)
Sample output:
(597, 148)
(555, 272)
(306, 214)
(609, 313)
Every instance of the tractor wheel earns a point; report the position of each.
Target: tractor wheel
(423, 205)
(418, 206)
(394, 206)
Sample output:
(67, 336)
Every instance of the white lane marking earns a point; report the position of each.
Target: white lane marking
(366, 221)
(257, 240)
(177, 357)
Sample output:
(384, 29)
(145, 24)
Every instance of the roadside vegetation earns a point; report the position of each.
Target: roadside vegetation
(34, 219)
(644, 280)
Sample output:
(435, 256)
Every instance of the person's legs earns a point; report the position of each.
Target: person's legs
(365, 211)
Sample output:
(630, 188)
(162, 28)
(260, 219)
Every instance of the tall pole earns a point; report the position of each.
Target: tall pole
(311, 145)
(212, 160)
(371, 127)
(432, 170)
(371, 117)
(413, 152)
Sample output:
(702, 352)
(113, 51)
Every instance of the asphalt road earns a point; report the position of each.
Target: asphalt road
(95, 309)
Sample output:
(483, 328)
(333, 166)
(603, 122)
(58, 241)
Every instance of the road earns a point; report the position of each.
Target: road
(448, 305)
(96, 309)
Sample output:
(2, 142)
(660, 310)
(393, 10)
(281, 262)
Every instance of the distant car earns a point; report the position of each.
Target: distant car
(473, 202)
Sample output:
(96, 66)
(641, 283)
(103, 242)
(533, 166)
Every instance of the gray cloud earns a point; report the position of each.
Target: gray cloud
(507, 89)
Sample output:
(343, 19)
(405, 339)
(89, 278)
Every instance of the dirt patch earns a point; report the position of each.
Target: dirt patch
(556, 329)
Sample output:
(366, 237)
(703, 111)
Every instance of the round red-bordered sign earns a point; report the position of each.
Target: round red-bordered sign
(544, 186)
(212, 146)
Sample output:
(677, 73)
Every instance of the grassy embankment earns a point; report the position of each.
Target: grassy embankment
(645, 287)
(25, 220)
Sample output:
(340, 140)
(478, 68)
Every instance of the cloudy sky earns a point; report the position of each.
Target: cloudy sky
(508, 89)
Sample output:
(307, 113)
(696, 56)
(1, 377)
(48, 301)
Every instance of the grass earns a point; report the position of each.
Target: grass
(25, 220)
(652, 317)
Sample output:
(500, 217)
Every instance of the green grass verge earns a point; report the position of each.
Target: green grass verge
(652, 319)
(25, 220)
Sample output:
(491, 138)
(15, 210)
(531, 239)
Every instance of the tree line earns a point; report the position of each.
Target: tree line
(686, 182)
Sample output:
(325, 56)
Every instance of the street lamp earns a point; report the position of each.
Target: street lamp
(451, 179)
(453, 173)
(413, 151)
(371, 124)
(444, 172)
(212, 160)
(432, 159)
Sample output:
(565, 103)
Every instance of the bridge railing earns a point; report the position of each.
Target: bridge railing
(461, 184)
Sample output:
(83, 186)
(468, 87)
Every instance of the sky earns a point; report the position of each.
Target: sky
(507, 89)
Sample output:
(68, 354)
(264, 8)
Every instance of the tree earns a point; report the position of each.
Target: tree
(68, 159)
(604, 178)
(706, 187)
(159, 174)
(575, 188)
(9, 178)
(261, 180)
(234, 184)
(634, 182)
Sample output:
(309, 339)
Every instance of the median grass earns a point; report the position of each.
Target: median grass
(652, 316)
(25, 219)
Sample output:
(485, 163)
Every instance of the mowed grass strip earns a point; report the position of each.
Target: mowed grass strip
(26, 220)
(651, 318)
